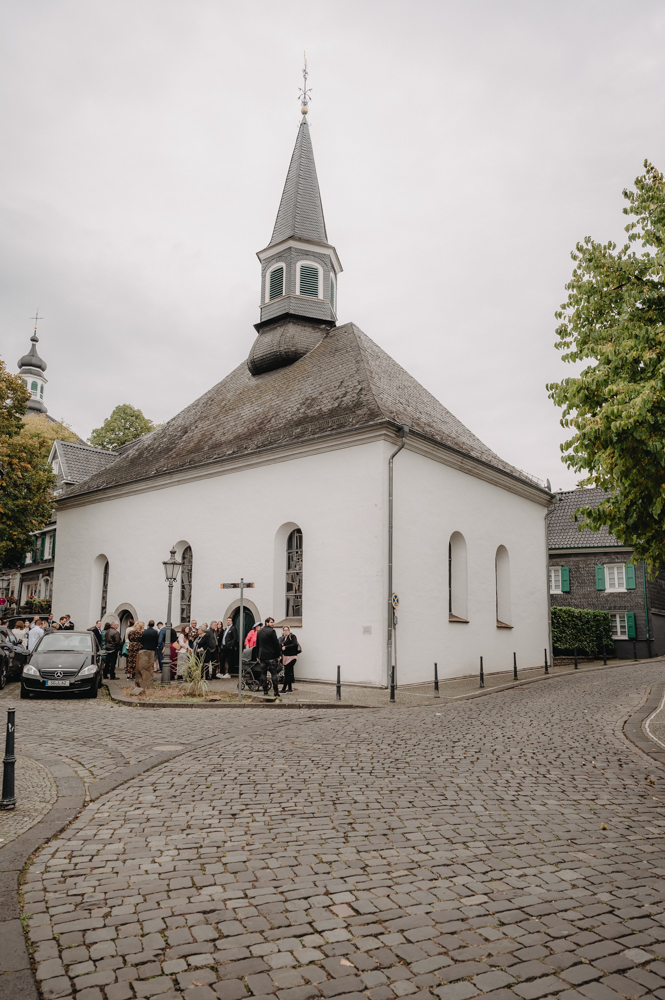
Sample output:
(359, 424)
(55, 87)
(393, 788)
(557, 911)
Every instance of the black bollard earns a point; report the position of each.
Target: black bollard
(482, 674)
(604, 655)
(392, 682)
(634, 650)
(338, 693)
(575, 653)
(547, 669)
(436, 681)
(8, 800)
(514, 666)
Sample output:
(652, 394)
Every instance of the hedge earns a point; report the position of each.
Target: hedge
(586, 630)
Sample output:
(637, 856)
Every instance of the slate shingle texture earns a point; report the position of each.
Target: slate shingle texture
(300, 212)
(346, 382)
(79, 462)
(563, 531)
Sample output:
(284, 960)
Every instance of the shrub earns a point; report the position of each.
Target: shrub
(586, 630)
(193, 676)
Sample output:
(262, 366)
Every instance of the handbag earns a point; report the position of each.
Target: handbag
(299, 650)
(125, 649)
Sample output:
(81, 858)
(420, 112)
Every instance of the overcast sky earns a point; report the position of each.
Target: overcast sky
(462, 149)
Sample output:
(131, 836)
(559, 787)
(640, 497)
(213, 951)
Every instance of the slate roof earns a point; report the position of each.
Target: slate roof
(562, 530)
(300, 212)
(345, 382)
(79, 461)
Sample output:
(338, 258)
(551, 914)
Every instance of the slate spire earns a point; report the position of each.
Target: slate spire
(300, 214)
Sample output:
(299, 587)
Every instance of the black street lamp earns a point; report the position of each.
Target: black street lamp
(171, 567)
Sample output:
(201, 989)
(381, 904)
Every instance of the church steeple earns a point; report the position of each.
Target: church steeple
(299, 267)
(31, 369)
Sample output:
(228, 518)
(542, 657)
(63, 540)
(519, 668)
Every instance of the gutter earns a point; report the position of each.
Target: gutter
(391, 627)
(646, 606)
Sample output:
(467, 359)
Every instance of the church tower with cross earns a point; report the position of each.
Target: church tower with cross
(31, 368)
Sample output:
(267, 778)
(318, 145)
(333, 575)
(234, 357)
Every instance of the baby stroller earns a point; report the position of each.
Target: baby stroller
(251, 671)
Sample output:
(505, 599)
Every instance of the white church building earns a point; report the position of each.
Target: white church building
(324, 473)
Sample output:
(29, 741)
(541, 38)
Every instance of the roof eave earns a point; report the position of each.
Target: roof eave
(301, 243)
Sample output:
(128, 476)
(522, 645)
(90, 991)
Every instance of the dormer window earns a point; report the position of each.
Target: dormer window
(309, 280)
(276, 282)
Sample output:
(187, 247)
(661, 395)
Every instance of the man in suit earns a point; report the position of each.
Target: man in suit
(69, 624)
(229, 655)
(113, 644)
(269, 656)
(209, 644)
(146, 658)
(97, 632)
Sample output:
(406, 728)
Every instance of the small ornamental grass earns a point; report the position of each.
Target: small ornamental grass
(196, 685)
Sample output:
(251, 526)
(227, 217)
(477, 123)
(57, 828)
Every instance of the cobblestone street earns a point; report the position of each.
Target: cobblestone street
(510, 846)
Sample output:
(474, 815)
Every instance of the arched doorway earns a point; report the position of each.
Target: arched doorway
(249, 620)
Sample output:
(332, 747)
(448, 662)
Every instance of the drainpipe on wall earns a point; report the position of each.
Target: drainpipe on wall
(646, 607)
(547, 580)
(405, 430)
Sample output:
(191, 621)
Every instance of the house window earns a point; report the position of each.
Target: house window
(615, 577)
(502, 573)
(308, 280)
(294, 574)
(186, 586)
(33, 388)
(105, 590)
(276, 282)
(619, 625)
(457, 578)
(559, 580)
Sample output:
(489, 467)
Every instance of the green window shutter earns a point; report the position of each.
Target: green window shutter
(600, 578)
(42, 546)
(630, 576)
(565, 580)
(53, 546)
(276, 288)
(630, 624)
(309, 280)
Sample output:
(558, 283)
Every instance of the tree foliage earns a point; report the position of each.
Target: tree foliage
(126, 423)
(38, 429)
(615, 317)
(26, 491)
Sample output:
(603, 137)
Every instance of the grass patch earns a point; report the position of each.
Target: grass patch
(179, 691)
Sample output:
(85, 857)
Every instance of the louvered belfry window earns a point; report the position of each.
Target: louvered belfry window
(276, 283)
(309, 280)
(332, 291)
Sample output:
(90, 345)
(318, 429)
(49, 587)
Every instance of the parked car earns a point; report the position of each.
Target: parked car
(13, 655)
(63, 661)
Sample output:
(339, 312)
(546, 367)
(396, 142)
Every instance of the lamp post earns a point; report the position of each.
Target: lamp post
(171, 567)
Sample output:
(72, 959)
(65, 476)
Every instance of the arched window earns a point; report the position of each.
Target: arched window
(294, 574)
(186, 586)
(41, 390)
(309, 280)
(105, 590)
(503, 613)
(276, 282)
(33, 388)
(457, 578)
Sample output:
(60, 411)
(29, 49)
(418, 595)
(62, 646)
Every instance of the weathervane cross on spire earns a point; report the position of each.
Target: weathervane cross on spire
(304, 91)
(36, 318)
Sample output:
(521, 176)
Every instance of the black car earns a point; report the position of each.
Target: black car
(13, 655)
(63, 661)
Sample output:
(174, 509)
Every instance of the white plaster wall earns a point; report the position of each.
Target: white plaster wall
(230, 522)
(431, 502)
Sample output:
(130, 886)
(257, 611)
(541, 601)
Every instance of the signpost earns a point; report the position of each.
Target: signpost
(241, 625)
(3, 602)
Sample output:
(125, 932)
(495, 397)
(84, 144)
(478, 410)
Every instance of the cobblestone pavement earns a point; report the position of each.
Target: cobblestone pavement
(509, 846)
(35, 794)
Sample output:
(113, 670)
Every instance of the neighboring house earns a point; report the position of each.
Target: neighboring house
(73, 463)
(280, 474)
(592, 569)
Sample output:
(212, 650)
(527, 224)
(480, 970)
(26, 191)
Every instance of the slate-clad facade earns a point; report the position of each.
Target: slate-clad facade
(593, 570)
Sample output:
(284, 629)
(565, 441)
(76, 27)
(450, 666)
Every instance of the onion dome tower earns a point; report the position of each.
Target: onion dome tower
(31, 369)
(299, 267)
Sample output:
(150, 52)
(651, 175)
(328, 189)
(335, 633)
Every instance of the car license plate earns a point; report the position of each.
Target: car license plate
(62, 684)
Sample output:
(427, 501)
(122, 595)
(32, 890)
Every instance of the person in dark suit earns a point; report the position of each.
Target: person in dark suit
(229, 648)
(97, 632)
(269, 656)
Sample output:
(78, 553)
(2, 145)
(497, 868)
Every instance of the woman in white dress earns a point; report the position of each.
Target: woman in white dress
(183, 649)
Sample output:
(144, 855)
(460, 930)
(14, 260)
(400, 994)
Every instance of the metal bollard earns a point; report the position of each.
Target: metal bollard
(575, 653)
(8, 800)
(547, 669)
(338, 692)
(436, 681)
(482, 674)
(604, 655)
(634, 649)
(392, 683)
(514, 666)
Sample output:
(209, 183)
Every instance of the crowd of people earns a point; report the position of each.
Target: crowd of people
(214, 646)
(29, 633)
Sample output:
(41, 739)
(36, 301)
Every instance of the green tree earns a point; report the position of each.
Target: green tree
(615, 317)
(26, 491)
(126, 423)
(43, 432)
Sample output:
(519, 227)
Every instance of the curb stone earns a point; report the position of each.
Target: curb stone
(633, 727)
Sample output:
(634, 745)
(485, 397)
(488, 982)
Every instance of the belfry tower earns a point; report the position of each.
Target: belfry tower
(31, 369)
(299, 267)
